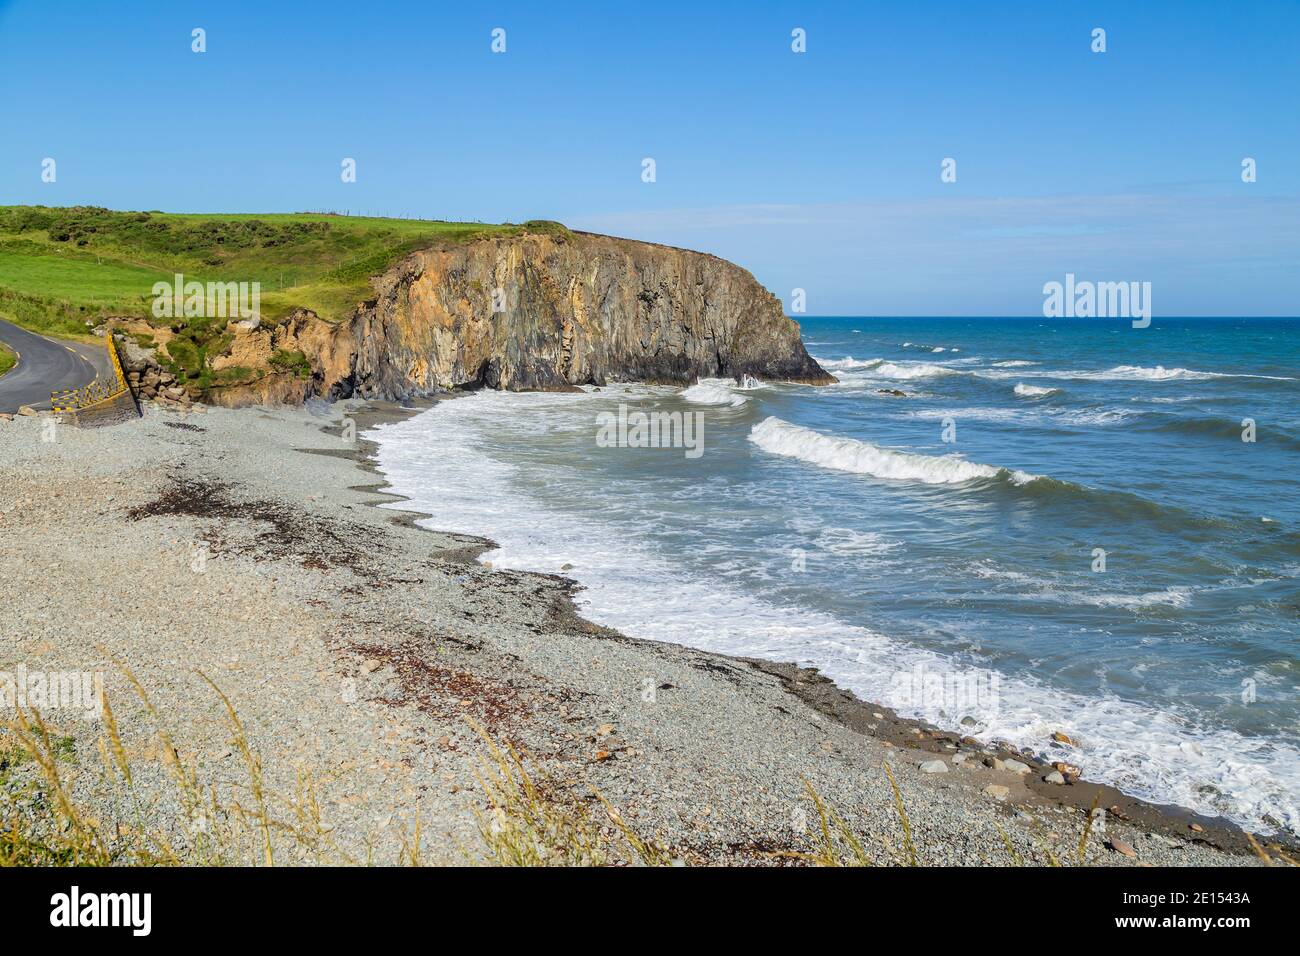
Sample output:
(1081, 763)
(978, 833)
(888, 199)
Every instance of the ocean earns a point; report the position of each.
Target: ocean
(1058, 527)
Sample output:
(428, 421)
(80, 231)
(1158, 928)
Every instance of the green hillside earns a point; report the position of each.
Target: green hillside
(63, 268)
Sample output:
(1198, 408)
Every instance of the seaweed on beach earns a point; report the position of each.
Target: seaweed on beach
(445, 691)
(184, 426)
(288, 533)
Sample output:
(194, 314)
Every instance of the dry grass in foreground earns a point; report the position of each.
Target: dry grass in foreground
(523, 819)
(192, 822)
(526, 825)
(42, 823)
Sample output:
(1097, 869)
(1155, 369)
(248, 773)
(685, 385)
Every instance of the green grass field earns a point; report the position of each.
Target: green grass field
(63, 268)
(7, 358)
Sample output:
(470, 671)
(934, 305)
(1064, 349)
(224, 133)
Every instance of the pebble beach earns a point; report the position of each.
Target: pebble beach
(367, 651)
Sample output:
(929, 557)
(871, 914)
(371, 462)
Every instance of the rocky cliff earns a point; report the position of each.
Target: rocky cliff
(531, 312)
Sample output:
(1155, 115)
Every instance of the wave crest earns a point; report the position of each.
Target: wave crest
(779, 437)
(849, 362)
(1033, 391)
(713, 391)
(910, 371)
(1158, 373)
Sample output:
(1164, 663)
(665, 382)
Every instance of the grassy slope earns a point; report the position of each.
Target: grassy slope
(61, 268)
(7, 358)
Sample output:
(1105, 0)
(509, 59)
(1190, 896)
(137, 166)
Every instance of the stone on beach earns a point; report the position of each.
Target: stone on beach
(1122, 848)
(934, 766)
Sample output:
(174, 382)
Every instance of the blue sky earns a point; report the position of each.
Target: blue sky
(817, 170)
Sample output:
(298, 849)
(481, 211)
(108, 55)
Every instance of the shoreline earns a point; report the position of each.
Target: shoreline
(908, 735)
(310, 585)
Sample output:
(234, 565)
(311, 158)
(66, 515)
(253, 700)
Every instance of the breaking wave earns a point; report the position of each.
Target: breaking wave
(862, 458)
(713, 391)
(1158, 373)
(1033, 391)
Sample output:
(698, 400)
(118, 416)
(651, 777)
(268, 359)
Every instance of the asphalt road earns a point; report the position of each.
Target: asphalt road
(44, 365)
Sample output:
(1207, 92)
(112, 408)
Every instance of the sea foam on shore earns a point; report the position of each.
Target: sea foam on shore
(469, 462)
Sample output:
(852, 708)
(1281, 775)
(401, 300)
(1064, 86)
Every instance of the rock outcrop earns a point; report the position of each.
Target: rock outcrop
(538, 311)
(547, 312)
(148, 379)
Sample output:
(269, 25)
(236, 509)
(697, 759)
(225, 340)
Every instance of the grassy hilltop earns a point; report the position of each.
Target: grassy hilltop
(63, 268)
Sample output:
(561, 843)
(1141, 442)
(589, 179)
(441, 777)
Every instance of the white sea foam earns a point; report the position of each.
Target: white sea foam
(906, 371)
(437, 459)
(848, 454)
(1031, 588)
(1089, 416)
(713, 391)
(846, 363)
(1025, 415)
(899, 371)
(1158, 373)
(929, 348)
(1033, 391)
(1000, 370)
(1169, 597)
(847, 541)
(974, 413)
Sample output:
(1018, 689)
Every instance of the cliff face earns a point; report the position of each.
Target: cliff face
(570, 311)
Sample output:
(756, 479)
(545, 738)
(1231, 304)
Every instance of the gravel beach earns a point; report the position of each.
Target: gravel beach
(360, 650)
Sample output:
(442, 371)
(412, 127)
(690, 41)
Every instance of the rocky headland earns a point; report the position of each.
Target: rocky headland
(539, 311)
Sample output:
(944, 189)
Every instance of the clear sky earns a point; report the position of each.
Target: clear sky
(817, 170)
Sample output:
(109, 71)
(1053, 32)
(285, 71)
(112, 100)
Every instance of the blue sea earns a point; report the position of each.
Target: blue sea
(1057, 527)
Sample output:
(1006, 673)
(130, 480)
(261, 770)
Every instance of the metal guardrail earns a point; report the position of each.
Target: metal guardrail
(97, 392)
